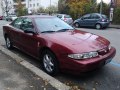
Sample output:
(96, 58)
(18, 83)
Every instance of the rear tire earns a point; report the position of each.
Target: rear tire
(98, 26)
(49, 63)
(9, 44)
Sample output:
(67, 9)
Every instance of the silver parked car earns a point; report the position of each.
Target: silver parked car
(67, 18)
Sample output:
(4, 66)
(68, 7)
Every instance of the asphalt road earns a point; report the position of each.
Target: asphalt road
(106, 78)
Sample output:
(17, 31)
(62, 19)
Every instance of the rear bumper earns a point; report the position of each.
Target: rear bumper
(77, 67)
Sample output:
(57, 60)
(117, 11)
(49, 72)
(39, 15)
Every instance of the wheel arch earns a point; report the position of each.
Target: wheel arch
(42, 49)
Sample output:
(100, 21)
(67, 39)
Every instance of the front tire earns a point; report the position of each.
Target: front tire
(9, 44)
(77, 25)
(49, 63)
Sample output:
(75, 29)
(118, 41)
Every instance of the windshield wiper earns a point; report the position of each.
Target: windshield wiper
(63, 30)
(47, 31)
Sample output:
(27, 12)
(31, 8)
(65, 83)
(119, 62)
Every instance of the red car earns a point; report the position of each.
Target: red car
(59, 46)
(1, 17)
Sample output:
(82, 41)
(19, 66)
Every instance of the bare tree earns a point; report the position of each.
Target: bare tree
(6, 6)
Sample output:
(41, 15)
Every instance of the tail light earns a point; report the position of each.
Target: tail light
(65, 19)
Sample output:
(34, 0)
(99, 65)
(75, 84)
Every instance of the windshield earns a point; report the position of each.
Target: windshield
(51, 24)
(104, 16)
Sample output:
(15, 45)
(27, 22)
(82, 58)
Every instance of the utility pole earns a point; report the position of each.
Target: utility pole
(101, 6)
(50, 8)
(111, 10)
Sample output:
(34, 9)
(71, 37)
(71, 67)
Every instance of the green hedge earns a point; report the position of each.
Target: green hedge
(116, 18)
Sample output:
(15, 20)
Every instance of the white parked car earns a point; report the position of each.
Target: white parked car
(67, 18)
(11, 17)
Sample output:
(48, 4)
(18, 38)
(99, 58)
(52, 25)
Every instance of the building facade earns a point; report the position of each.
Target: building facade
(31, 5)
(1, 8)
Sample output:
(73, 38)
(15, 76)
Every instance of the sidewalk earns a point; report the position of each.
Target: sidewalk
(114, 26)
(14, 76)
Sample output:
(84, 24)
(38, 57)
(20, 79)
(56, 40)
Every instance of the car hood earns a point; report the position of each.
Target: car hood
(78, 41)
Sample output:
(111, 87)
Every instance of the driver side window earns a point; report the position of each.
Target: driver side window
(17, 23)
(27, 24)
(86, 16)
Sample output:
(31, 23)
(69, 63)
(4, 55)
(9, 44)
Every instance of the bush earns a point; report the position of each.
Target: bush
(116, 17)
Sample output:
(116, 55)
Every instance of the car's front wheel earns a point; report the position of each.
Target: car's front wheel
(9, 44)
(98, 26)
(77, 25)
(49, 63)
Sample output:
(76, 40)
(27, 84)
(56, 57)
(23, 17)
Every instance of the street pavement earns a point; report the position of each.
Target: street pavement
(13, 76)
(106, 78)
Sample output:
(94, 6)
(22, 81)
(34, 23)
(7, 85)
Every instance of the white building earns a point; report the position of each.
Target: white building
(33, 5)
(1, 8)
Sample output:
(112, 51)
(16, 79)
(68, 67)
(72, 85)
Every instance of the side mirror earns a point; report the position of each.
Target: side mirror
(29, 30)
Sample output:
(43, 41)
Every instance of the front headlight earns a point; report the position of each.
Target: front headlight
(83, 55)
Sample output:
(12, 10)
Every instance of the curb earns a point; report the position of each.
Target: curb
(114, 27)
(52, 81)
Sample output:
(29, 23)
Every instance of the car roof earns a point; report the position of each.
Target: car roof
(38, 16)
(61, 14)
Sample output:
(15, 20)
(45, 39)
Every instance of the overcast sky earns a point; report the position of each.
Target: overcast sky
(106, 1)
(46, 3)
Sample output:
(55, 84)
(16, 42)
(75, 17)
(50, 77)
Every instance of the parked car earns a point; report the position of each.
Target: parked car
(92, 20)
(1, 17)
(67, 18)
(11, 17)
(42, 14)
(59, 46)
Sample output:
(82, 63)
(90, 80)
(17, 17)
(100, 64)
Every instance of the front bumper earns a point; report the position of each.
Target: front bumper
(79, 66)
(104, 24)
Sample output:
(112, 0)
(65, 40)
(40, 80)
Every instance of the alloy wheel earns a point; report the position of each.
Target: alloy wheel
(48, 63)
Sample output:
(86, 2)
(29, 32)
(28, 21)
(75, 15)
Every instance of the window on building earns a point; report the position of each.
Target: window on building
(37, 4)
(30, 5)
(33, 5)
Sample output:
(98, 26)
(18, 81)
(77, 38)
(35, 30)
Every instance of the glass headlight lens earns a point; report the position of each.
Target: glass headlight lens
(83, 55)
(109, 47)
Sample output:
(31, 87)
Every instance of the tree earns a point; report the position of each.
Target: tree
(62, 6)
(20, 8)
(116, 18)
(40, 10)
(78, 7)
(6, 7)
(105, 8)
(51, 9)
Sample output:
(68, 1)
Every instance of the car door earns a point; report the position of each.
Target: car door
(15, 31)
(94, 18)
(85, 20)
(29, 41)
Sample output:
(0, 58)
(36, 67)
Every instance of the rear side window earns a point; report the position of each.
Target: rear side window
(86, 16)
(59, 16)
(95, 16)
(67, 16)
